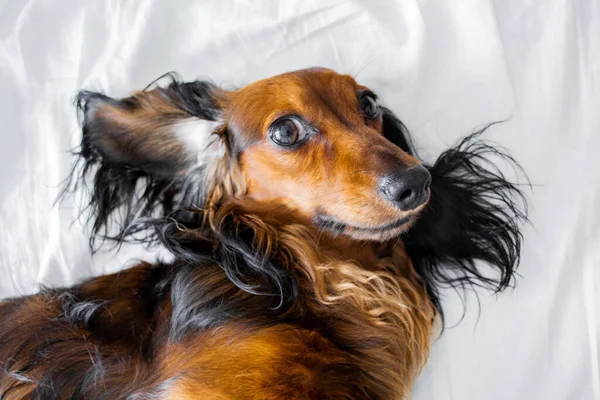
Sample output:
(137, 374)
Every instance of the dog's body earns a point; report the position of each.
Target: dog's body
(179, 331)
(289, 278)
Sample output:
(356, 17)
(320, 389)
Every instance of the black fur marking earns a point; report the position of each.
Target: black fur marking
(76, 312)
(205, 297)
(233, 250)
(196, 98)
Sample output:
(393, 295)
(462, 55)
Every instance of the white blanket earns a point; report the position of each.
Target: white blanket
(446, 67)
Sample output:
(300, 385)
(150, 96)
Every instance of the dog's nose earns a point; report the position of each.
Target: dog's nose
(407, 189)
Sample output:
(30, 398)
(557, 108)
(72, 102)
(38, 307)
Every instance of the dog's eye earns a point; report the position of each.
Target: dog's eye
(368, 106)
(287, 131)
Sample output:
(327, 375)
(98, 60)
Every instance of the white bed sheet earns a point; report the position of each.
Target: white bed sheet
(446, 67)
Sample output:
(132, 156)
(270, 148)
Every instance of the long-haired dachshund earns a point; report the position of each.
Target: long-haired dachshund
(309, 245)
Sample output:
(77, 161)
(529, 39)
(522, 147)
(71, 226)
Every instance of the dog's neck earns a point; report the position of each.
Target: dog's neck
(367, 253)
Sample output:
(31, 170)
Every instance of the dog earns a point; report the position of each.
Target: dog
(309, 246)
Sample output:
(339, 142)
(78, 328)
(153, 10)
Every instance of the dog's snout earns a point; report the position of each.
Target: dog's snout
(407, 189)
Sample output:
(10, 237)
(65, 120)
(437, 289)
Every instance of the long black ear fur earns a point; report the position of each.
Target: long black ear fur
(474, 215)
(124, 193)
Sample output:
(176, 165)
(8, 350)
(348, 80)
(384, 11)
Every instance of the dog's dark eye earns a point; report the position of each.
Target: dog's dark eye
(368, 106)
(287, 131)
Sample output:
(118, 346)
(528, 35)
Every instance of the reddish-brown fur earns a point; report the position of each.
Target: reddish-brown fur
(360, 326)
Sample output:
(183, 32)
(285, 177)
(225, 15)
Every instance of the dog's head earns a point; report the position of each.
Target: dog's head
(311, 145)
(311, 141)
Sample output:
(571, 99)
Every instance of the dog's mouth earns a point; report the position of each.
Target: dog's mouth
(380, 232)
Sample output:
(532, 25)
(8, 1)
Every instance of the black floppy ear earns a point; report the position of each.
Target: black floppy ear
(158, 132)
(140, 149)
(474, 215)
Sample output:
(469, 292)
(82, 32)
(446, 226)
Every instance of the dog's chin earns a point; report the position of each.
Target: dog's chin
(380, 236)
(378, 233)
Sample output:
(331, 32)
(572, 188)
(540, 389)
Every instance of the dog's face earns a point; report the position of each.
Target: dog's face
(311, 140)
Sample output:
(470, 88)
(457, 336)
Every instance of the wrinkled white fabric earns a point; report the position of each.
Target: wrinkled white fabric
(445, 67)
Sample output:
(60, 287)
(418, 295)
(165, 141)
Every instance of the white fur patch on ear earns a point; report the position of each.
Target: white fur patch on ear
(198, 139)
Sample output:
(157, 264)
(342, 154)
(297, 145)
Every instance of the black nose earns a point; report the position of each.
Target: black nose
(407, 189)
